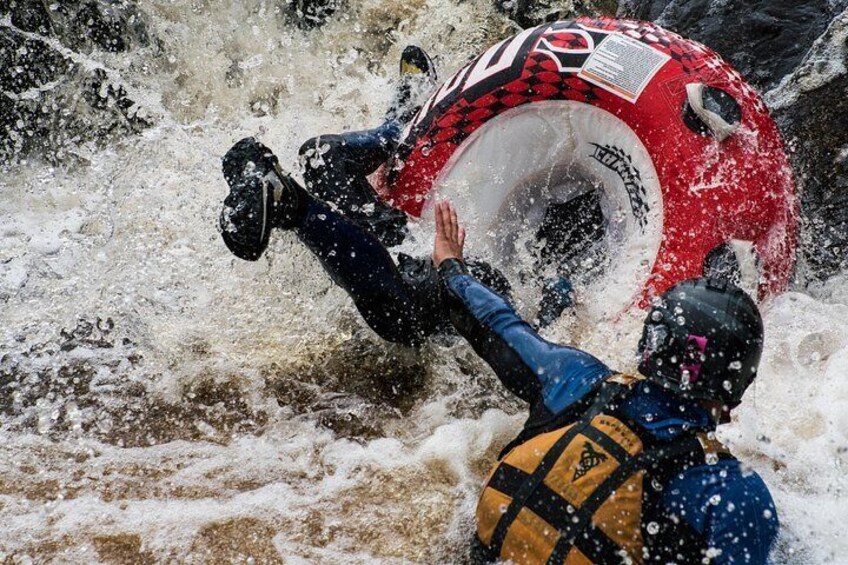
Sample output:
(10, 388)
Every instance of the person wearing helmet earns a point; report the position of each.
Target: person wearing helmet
(611, 467)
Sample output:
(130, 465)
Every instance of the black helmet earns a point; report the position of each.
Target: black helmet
(703, 338)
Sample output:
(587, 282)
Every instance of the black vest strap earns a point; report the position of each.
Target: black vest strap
(542, 421)
(607, 443)
(583, 515)
(607, 394)
(594, 544)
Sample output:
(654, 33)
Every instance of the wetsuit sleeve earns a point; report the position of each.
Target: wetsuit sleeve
(529, 366)
(734, 513)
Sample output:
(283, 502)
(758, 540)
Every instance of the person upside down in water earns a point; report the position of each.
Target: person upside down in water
(609, 467)
(338, 215)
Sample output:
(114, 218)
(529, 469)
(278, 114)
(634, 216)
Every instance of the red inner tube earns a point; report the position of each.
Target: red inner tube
(741, 188)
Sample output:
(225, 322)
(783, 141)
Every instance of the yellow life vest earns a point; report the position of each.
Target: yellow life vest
(574, 496)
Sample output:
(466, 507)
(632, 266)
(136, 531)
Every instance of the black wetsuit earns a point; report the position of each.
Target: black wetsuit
(348, 228)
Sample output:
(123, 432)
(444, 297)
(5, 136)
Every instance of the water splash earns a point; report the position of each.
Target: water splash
(160, 400)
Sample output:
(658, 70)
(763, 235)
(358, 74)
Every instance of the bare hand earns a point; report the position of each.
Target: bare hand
(450, 237)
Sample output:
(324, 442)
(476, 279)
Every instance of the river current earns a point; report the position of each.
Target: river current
(165, 402)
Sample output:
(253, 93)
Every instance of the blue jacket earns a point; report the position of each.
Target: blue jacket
(728, 506)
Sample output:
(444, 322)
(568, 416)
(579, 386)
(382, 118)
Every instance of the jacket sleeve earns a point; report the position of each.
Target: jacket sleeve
(529, 366)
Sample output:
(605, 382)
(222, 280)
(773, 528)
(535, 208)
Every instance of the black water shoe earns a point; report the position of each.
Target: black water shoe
(417, 81)
(262, 197)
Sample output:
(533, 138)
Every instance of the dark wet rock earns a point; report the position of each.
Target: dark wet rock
(529, 13)
(355, 389)
(112, 25)
(309, 14)
(764, 39)
(54, 93)
(809, 106)
(28, 15)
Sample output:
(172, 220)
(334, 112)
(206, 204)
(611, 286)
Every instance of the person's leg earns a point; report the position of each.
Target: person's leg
(358, 262)
(557, 297)
(402, 305)
(263, 197)
(358, 153)
(336, 167)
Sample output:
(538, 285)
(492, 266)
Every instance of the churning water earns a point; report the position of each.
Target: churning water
(163, 401)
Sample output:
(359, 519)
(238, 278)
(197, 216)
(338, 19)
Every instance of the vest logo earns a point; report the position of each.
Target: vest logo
(589, 459)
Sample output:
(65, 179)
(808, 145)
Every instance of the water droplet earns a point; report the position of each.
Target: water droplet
(656, 315)
(653, 528)
(767, 514)
(715, 499)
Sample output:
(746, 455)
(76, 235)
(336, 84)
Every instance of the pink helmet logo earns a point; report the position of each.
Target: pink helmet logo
(696, 346)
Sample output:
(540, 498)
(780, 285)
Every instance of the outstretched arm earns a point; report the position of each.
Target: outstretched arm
(530, 367)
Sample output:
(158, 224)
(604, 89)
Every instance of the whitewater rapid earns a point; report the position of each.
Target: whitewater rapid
(163, 401)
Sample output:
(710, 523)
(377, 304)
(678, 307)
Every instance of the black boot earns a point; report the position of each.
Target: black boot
(417, 81)
(262, 197)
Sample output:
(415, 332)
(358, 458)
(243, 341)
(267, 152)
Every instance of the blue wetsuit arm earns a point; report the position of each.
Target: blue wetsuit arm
(529, 366)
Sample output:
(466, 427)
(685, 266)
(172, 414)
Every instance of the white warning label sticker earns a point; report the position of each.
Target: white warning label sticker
(623, 66)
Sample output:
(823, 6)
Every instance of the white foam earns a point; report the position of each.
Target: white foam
(131, 236)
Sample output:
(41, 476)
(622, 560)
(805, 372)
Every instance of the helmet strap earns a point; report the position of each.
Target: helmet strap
(718, 409)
